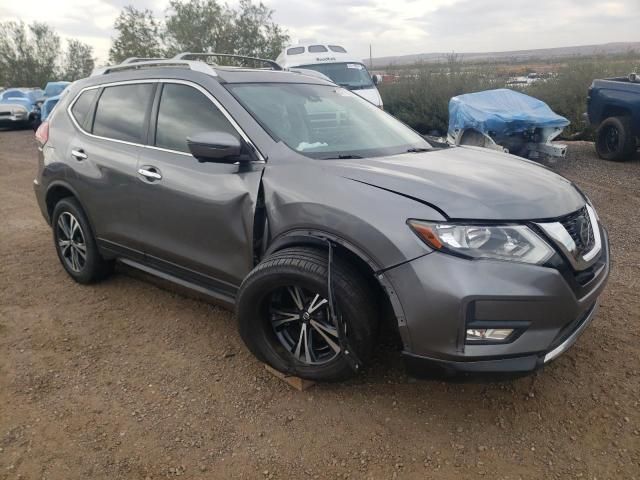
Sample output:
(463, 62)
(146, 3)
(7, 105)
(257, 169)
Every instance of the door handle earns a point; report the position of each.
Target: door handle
(150, 172)
(79, 154)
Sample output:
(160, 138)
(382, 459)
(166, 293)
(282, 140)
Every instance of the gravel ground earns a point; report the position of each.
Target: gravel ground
(128, 380)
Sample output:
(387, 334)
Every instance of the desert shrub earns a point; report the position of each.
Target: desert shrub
(421, 97)
(566, 93)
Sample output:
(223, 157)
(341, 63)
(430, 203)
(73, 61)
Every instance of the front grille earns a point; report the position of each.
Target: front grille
(578, 225)
(5, 114)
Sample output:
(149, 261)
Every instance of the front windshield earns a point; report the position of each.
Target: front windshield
(353, 76)
(323, 121)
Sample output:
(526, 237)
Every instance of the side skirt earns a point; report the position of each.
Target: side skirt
(219, 297)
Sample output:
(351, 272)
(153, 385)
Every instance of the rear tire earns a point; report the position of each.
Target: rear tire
(75, 244)
(615, 140)
(271, 321)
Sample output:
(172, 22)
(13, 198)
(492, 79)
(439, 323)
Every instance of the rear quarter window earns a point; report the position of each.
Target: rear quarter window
(295, 51)
(81, 107)
(121, 111)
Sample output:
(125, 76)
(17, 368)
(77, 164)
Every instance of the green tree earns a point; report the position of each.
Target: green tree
(28, 54)
(138, 35)
(198, 26)
(208, 26)
(78, 60)
(255, 33)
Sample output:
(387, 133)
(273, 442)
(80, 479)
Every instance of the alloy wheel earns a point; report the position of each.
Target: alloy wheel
(71, 242)
(302, 323)
(611, 138)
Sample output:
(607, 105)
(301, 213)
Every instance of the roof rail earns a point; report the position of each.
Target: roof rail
(185, 55)
(137, 65)
(140, 59)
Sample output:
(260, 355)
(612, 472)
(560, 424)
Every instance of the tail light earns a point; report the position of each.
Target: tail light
(42, 134)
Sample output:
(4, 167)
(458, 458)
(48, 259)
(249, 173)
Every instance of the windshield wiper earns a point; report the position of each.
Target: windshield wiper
(342, 157)
(418, 150)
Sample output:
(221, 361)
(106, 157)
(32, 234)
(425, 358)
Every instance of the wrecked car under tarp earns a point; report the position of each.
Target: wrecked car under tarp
(506, 120)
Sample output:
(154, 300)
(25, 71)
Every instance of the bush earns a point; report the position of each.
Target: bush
(566, 93)
(421, 97)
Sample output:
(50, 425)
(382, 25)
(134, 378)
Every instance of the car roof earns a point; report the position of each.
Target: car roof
(245, 75)
(187, 69)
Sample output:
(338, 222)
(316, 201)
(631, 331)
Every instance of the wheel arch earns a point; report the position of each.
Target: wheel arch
(58, 190)
(612, 110)
(392, 317)
(55, 192)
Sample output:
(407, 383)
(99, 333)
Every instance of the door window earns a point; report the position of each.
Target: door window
(121, 111)
(183, 112)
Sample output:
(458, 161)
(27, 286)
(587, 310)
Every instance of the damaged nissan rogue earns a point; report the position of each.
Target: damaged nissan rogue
(320, 218)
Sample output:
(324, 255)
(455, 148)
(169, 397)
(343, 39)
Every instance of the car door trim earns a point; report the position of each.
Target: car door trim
(212, 99)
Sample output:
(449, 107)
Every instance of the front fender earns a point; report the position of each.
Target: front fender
(371, 220)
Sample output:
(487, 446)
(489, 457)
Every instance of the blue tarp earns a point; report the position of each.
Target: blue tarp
(501, 112)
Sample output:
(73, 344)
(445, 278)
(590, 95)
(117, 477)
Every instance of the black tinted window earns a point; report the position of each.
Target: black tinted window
(80, 109)
(184, 111)
(317, 49)
(121, 110)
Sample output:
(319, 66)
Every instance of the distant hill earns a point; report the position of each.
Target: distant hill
(516, 55)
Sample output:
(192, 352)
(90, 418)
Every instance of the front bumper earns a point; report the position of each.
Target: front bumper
(419, 366)
(12, 120)
(441, 295)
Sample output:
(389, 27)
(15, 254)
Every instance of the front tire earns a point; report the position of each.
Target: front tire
(75, 244)
(283, 314)
(615, 140)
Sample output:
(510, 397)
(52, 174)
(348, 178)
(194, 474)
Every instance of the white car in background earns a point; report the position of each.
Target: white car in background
(333, 61)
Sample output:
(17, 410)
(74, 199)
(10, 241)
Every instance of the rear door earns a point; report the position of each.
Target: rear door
(104, 153)
(196, 219)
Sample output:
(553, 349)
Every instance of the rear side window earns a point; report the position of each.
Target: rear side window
(317, 49)
(337, 48)
(81, 107)
(295, 51)
(121, 112)
(185, 111)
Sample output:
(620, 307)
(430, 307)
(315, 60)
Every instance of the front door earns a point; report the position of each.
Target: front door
(196, 219)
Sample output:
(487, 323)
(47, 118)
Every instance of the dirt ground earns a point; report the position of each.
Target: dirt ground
(127, 380)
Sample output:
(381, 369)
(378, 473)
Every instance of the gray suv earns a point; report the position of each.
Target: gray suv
(324, 221)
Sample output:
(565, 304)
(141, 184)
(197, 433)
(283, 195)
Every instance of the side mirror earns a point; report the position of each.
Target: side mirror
(377, 79)
(221, 147)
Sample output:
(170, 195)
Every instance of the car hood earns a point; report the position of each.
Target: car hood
(25, 102)
(469, 183)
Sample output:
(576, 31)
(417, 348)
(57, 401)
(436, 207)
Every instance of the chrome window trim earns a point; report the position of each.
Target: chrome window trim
(563, 240)
(211, 98)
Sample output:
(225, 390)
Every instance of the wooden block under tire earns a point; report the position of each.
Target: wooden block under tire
(298, 383)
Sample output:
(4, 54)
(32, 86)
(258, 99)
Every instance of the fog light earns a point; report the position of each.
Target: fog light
(488, 334)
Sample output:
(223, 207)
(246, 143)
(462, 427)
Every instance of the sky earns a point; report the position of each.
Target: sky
(391, 27)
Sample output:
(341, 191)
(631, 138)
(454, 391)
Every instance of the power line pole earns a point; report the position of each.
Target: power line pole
(370, 58)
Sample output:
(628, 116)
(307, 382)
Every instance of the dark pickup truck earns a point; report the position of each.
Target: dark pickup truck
(613, 107)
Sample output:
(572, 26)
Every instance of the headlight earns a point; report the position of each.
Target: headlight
(516, 243)
(18, 110)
